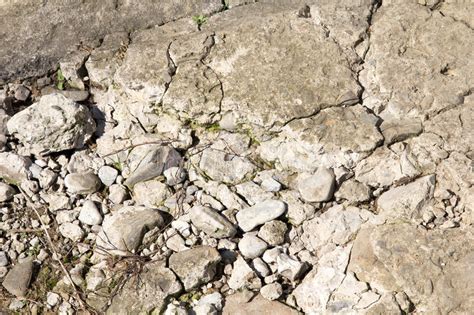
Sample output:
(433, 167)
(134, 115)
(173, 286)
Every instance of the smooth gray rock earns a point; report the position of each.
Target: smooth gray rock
(82, 183)
(317, 187)
(251, 246)
(123, 231)
(18, 279)
(211, 222)
(259, 214)
(53, 124)
(22, 93)
(195, 266)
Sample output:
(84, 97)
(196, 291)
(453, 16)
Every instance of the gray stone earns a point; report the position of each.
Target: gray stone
(259, 214)
(399, 264)
(273, 232)
(14, 168)
(117, 194)
(271, 291)
(289, 267)
(42, 52)
(407, 201)
(317, 187)
(6, 192)
(298, 211)
(90, 214)
(123, 231)
(71, 231)
(252, 192)
(18, 279)
(195, 266)
(334, 137)
(243, 276)
(211, 222)
(225, 167)
(174, 175)
(271, 185)
(107, 175)
(353, 191)
(157, 285)
(53, 124)
(147, 162)
(22, 93)
(239, 304)
(3, 259)
(151, 193)
(82, 183)
(75, 95)
(251, 246)
(338, 225)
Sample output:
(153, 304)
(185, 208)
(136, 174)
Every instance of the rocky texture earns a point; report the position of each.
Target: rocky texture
(19, 277)
(211, 222)
(53, 124)
(241, 303)
(123, 231)
(6, 192)
(261, 213)
(292, 157)
(437, 284)
(195, 266)
(158, 284)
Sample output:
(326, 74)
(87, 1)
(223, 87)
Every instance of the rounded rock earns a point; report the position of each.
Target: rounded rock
(90, 214)
(251, 246)
(107, 175)
(78, 183)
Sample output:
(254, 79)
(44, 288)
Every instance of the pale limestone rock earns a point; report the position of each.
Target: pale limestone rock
(53, 124)
(265, 211)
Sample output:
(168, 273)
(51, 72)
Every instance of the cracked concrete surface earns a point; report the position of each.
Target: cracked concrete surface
(377, 92)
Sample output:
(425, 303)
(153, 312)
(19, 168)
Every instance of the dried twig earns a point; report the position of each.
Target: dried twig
(44, 226)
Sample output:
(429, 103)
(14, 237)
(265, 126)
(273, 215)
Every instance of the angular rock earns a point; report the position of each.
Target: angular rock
(298, 211)
(90, 214)
(18, 279)
(117, 194)
(225, 167)
(273, 232)
(337, 225)
(71, 231)
(243, 276)
(147, 162)
(400, 264)
(195, 266)
(151, 193)
(6, 192)
(107, 175)
(82, 183)
(289, 267)
(334, 137)
(123, 231)
(211, 222)
(251, 246)
(14, 168)
(387, 166)
(239, 304)
(353, 191)
(259, 214)
(53, 124)
(156, 285)
(317, 187)
(407, 201)
(271, 291)
(313, 293)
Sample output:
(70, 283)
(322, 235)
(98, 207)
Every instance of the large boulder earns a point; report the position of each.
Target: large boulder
(53, 124)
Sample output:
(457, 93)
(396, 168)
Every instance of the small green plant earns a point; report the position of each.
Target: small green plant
(61, 80)
(199, 20)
